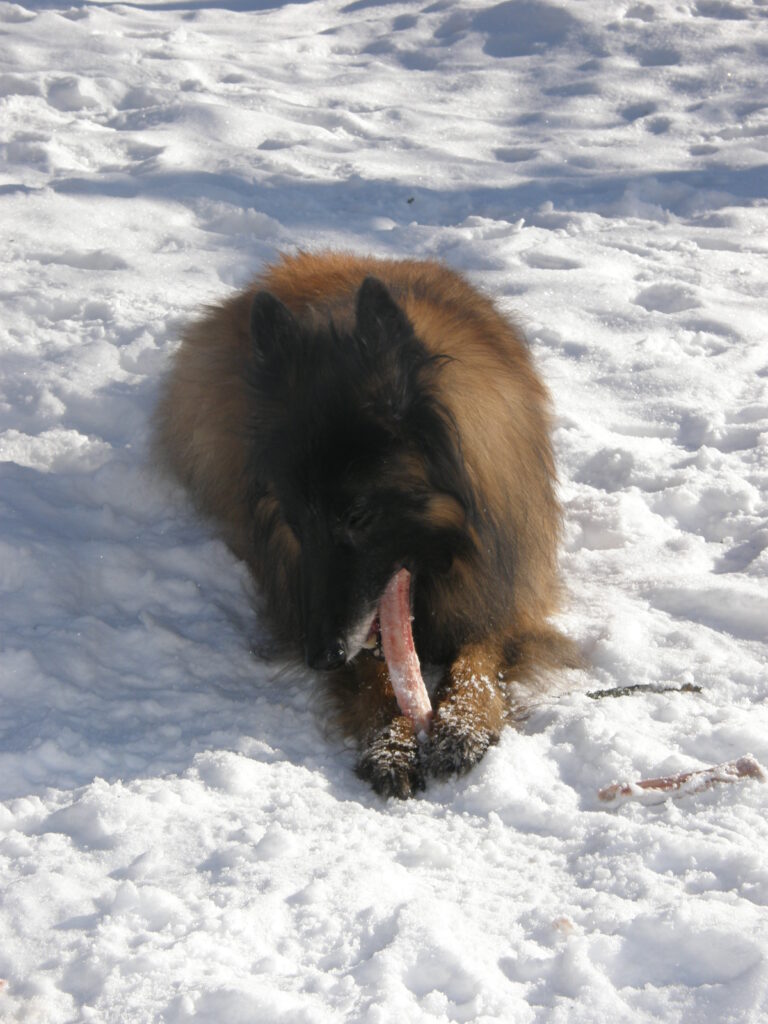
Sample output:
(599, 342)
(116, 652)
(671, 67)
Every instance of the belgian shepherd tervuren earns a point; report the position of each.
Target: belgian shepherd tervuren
(344, 419)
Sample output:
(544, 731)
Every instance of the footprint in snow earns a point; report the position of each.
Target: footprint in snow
(634, 111)
(609, 469)
(667, 298)
(720, 9)
(550, 261)
(66, 94)
(658, 57)
(744, 554)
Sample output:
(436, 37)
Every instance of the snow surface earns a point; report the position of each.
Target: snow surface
(181, 841)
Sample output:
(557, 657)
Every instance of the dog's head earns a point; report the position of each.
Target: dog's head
(364, 460)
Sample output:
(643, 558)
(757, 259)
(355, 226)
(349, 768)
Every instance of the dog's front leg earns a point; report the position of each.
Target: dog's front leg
(389, 758)
(469, 711)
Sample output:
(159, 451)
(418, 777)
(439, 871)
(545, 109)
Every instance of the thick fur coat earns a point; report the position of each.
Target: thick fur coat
(343, 417)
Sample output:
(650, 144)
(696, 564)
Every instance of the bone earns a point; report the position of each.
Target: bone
(400, 653)
(685, 783)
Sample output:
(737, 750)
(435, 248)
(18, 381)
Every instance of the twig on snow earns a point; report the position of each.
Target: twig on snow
(627, 691)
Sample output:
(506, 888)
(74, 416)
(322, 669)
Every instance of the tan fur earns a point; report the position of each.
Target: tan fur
(501, 410)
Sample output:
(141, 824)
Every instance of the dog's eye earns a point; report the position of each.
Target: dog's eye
(359, 518)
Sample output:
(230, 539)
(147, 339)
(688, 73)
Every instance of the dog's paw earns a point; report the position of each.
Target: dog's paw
(457, 743)
(390, 760)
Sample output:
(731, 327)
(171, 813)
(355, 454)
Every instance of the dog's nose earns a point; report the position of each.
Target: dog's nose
(328, 658)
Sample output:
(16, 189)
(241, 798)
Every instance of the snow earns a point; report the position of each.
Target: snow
(180, 839)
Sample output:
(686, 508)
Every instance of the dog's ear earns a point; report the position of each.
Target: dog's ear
(274, 332)
(380, 321)
(400, 361)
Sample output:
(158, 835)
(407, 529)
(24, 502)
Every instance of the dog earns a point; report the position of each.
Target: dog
(345, 417)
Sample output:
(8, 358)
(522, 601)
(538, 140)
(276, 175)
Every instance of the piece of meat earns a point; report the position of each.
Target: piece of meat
(402, 659)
